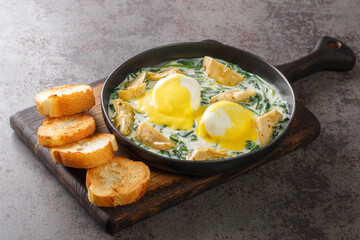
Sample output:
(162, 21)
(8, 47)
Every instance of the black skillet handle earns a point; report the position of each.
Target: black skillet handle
(328, 54)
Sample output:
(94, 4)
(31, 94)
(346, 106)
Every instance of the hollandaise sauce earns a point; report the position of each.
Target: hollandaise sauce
(180, 107)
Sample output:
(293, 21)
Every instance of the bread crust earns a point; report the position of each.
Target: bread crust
(64, 130)
(88, 153)
(121, 181)
(65, 100)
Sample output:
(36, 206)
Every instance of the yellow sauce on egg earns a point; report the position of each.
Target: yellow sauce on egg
(169, 103)
(228, 124)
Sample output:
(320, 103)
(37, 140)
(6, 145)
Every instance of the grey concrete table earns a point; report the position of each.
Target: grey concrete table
(310, 193)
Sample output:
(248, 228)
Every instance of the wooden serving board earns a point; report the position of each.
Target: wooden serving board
(165, 189)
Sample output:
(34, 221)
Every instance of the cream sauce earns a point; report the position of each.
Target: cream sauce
(267, 99)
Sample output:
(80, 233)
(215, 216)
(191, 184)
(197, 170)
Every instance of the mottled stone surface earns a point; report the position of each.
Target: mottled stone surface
(310, 193)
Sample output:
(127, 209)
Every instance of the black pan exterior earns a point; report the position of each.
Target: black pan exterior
(244, 59)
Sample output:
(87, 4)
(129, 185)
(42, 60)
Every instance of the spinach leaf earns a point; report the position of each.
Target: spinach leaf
(251, 146)
(181, 151)
(165, 152)
(284, 108)
(275, 134)
(129, 78)
(175, 137)
(114, 94)
(206, 94)
(179, 66)
(244, 105)
(193, 137)
(189, 62)
(185, 133)
(236, 153)
(241, 86)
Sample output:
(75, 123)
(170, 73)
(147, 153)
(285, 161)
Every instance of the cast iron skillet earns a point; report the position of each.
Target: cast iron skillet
(329, 54)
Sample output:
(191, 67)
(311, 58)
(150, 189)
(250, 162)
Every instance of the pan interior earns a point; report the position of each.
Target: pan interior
(246, 60)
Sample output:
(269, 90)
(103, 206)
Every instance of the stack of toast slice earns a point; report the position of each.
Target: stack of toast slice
(69, 135)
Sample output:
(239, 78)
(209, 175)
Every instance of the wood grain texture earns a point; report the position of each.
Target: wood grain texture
(165, 189)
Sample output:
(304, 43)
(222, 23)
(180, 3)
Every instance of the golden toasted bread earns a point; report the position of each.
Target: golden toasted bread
(64, 130)
(65, 100)
(121, 181)
(87, 153)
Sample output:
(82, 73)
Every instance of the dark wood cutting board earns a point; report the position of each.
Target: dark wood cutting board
(165, 189)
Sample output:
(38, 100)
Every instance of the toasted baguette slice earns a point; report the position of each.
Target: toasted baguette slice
(65, 100)
(64, 130)
(90, 152)
(119, 182)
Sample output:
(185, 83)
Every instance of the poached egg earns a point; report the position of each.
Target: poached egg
(228, 124)
(174, 101)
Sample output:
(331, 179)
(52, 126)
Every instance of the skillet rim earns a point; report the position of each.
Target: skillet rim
(264, 149)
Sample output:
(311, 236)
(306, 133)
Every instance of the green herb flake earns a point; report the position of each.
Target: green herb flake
(164, 152)
(174, 137)
(185, 133)
(193, 137)
(179, 66)
(181, 152)
(251, 146)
